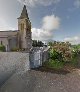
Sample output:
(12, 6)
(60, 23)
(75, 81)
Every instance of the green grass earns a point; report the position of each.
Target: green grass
(54, 64)
(74, 61)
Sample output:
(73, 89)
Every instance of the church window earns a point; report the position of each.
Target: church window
(21, 26)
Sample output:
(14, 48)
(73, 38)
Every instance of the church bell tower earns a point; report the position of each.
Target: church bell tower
(24, 27)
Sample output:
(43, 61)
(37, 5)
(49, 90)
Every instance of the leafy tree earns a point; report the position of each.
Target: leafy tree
(50, 44)
(34, 43)
(38, 43)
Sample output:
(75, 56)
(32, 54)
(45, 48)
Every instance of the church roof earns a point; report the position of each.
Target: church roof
(24, 13)
(5, 34)
(9, 31)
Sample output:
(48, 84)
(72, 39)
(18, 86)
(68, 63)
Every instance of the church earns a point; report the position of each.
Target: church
(20, 38)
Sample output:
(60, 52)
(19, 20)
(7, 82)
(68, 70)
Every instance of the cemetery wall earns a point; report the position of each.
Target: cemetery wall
(11, 62)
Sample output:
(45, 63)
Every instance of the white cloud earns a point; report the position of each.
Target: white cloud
(49, 24)
(4, 26)
(36, 2)
(77, 3)
(73, 40)
(40, 34)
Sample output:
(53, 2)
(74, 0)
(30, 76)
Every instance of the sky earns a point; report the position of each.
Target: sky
(51, 19)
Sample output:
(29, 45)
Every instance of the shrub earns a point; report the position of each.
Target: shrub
(2, 48)
(55, 55)
(64, 50)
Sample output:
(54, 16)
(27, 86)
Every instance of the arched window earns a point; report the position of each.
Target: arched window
(21, 26)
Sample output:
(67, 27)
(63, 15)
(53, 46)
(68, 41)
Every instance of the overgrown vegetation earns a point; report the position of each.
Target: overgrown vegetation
(61, 54)
(54, 64)
(76, 47)
(2, 48)
(75, 57)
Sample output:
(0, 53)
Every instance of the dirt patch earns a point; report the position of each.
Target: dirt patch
(60, 71)
(66, 69)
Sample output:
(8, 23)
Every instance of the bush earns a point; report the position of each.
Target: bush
(75, 53)
(2, 48)
(75, 57)
(55, 55)
(56, 60)
(64, 50)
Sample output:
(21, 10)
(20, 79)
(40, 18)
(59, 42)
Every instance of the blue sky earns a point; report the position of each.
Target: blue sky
(51, 19)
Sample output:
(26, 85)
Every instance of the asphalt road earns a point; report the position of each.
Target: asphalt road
(36, 81)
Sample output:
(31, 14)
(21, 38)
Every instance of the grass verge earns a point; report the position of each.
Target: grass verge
(54, 64)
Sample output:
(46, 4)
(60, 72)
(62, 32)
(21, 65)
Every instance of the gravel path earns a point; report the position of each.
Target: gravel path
(36, 81)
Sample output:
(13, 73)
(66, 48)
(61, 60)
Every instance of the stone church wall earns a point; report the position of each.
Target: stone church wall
(4, 41)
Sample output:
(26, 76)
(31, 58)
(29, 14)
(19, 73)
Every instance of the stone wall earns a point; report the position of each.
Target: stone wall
(11, 62)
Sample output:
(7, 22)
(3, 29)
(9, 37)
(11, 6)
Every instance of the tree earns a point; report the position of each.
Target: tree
(50, 44)
(34, 43)
(38, 43)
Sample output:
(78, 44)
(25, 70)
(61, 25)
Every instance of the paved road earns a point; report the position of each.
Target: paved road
(36, 81)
